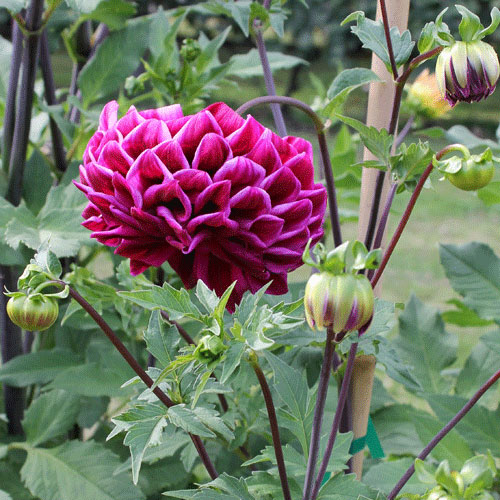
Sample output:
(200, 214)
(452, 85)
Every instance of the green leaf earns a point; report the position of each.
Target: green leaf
(37, 367)
(470, 24)
(113, 13)
(248, 65)
(344, 83)
(188, 420)
(474, 272)
(463, 315)
(232, 361)
(37, 181)
(345, 487)
(83, 6)
(411, 161)
(4, 495)
(379, 142)
(106, 71)
(48, 261)
(13, 5)
(490, 194)
(372, 35)
(208, 56)
(76, 470)
(479, 427)
(50, 415)
(176, 303)
(144, 424)
(232, 485)
(211, 419)
(426, 345)
(161, 339)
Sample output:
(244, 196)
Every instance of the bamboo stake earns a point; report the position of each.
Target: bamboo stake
(380, 100)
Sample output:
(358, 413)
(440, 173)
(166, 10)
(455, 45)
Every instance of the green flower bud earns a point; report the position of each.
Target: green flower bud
(344, 301)
(210, 349)
(467, 71)
(190, 50)
(32, 312)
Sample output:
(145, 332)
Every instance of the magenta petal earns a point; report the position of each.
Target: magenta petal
(175, 125)
(245, 138)
(114, 157)
(90, 151)
(302, 167)
(264, 153)
(242, 172)
(249, 203)
(145, 136)
(109, 115)
(192, 182)
(228, 120)
(301, 145)
(215, 198)
(170, 195)
(211, 153)
(268, 228)
(285, 150)
(166, 113)
(100, 178)
(128, 122)
(147, 170)
(282, 186)
(124, 194)
(170, 153)
(191, 134)
(294, 214)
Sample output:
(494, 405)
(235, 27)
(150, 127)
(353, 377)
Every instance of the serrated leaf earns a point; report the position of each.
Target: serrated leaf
(474, 272)
(144, 425)
(232, 361)
(188, 420)
(176, 303)
(161, 339)
(345, 487)
(76, 470)
(50, 415)
(83, 6)
(411, 160)
(113, 13)
(233, 486)
(248, 65)
(426, 345)
(212, 420)
(463, 315)
(37, 367)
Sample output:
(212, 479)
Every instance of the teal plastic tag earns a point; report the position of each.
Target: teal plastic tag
(371, 439)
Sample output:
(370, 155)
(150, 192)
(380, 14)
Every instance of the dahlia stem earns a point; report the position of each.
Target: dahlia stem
(50, 97)
(17, 160)
(325, 156)
(407, 213)
(273, 422)
(404, 132)
(11, 344)
(344, 391)
(387, 31)
(442, 433)
(10, 102)
(319, 409)
(132, 362)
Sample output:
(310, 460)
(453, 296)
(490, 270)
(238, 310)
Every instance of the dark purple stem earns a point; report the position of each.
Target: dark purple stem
(319, 409)
(442, 433)
(325, 156)
(404, 132)
(11, 343)
(50, 97)
(10, 102)
(387, 31)
(273, 422)
(132, 362)
(17, 159)
(344, 391)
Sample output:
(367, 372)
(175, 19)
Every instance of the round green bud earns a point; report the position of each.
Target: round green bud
(33, 312)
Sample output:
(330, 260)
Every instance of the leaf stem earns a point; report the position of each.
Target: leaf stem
(407, 213)
(325, 156)
(319, 409)
(387, 31)
(344, 391)
(132, 362)
(50, 97)
(273, 422)
(442, 433)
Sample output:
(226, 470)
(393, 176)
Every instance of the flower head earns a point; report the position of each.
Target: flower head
(467, 71)
(218, 197)
(425, 97)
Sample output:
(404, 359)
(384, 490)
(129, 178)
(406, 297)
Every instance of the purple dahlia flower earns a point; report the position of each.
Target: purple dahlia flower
(220, 198)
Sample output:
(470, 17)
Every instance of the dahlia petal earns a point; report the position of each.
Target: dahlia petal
(171, 195)
(137, 267)
(294, 214)
(93, 144)
(147, 170)
(211, 153)
(264, 153)
(100, 178)
(129, 121)
(228, 120)
(279, 284)
(282, 186)
(301, 145)
(114, 157)
(193, 131)
(109, 115)
(149, 251)
(249, 203)
(242, 172)
(318, 198)
(244, 139)
(170, 153)
(165, 113)
(192, 182)
(268, 228)
(214, 198)
(145, 136)
(110, 135)
(284, 148)
(176, 124)
(302, 167)
(282, 260)
(294, 240)
(124, 194)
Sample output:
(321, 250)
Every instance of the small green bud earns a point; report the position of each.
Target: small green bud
(190, 50)
(344, 301)
(210, 349)
(35, 312)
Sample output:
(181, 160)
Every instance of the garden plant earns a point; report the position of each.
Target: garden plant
(157, 336)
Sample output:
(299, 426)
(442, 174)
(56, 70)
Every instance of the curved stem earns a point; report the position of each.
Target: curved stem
(325, 156)
(273, 422)
(442, 433)
(404, 132)
(407, 213)
(344, 391)
(132, 362)
(416, 61)
(387, 31)
(319, 408)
